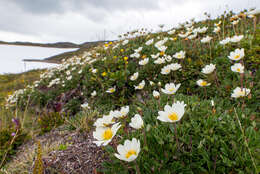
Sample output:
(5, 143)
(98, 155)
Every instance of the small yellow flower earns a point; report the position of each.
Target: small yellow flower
(106, 45)
(125, 58)
(175, 38)
(110, 43)
(144, 56)
(115, 57)
(104, 74)
(161, 53)
(122, 50)
(126, 62)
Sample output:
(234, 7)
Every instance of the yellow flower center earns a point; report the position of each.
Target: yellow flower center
(173, 116)
(171, 89)
(167, 70)
(237, 56)
(242, 93)
(179, 56)
(238, 69)
(161, 53)
(204, 83)
(112, 90)
(130, 153)
(107, 135)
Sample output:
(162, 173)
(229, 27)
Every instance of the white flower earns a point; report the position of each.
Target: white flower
(137, 122)
(85, 105)
(140, 85)
(206, 39)
(156, 94)
(238, 67)
(172, 113)
(129, 151)
(171, 31)
(208, 69)
(94, 71)
(138, 49)
(192, 36)
(238, 92)
(151, 83)
(94, 93)
(202, 30)
(105, 134)
(134, 76)
(174, 66)
(183, 35)
(202, 83)
(136, 55)
(225, 41)
(179, 55)
(155, 56)
(237, 54)
(212, 102)
(171, 88)
(166, 70)
(161, 48)
(159, 61)
(125, 42)
(124, 111)
(105, 121)
(149, 42)
(235, 22)
(144, 62)
(168, 58)
(111, 90)
(236, 38)
(216, 29)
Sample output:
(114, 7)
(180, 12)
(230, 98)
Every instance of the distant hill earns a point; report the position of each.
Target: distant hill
(57, 58)
(51, 45)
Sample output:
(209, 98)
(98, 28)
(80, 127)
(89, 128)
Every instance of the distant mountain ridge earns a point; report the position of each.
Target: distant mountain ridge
(57, 58)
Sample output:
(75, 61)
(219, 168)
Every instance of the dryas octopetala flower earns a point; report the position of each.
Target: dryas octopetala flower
(124, 111)
(216, 30)
(202, 30)
(208, 69)
(172, 113)
(149, 42)
(236, 38)
(105, 121)
(134, 76)
(125, 42)
(137, 122)
(202, 83)
(159, 61)
(111, 90)
(174, 66)
(237, 54)
(179, 55)
(129, 151)
(238, 67)
(224, 41)
(156, 94)
(206, 39)
(171, 88)
(166, 70)
(93, 94)
(144, 62)
(105, 134)
(85, 105)
(140, 85)
(238, 92)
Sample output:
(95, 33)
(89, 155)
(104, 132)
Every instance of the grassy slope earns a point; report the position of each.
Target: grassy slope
(197, 63)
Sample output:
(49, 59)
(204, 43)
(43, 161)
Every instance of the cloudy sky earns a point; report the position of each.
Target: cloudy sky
(88, 20)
